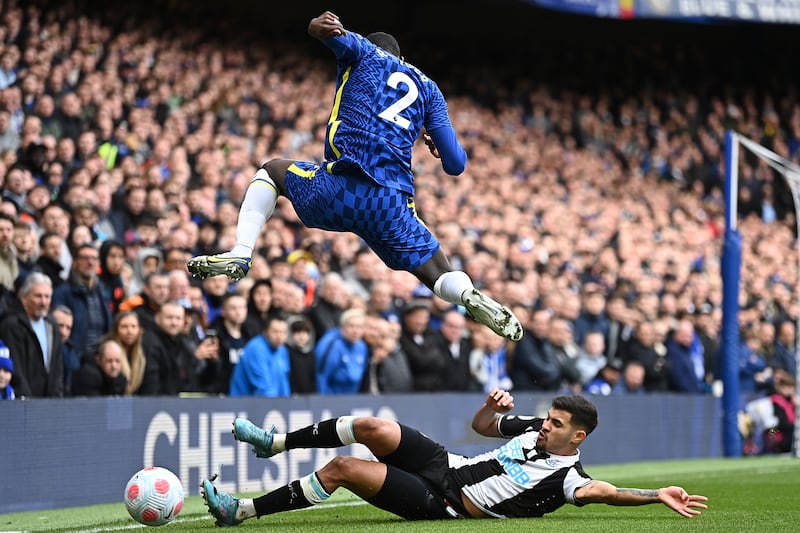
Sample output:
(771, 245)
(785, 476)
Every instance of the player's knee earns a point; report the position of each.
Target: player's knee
(370, 428)
(276, 168)
(269, 165)
(337, 469)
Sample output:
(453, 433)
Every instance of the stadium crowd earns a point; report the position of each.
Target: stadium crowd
(596, 214)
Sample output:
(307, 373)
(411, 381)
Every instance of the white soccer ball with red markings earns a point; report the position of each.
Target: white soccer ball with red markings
(154, 496)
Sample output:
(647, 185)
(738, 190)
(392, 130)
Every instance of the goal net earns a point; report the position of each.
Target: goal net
(731, 276)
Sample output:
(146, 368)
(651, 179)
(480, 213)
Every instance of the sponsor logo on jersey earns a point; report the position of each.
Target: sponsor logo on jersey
(508, 455)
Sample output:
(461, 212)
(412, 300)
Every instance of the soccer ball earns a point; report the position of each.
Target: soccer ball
(154, 496)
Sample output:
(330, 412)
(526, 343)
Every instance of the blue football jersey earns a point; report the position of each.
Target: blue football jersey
(380, 107)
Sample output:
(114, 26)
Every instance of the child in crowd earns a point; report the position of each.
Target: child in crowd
(6, 373)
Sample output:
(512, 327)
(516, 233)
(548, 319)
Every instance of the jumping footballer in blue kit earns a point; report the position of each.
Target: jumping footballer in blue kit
(365, 185)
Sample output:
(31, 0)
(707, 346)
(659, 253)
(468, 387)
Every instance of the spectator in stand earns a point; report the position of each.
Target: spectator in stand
(176, 258)
(620, 326)
(359, 276)
(389, 370)
(632, 379)
(168, 354)
(755, 377)
(590, 359)
(642, 349)
(332, 301)
(766, 332)
(428, 357)
(566, 351)
(38, 198)
(533, 364)
(302, 366)
(48, 261)
(707, 330)
(301, 275)
(45, 109)
(69, 116)
(56, 220)
(380, 302)
(488, 361)
(112, 260)
(78, 236)
(6, 373)
(126, 331)
(341, 355)
(685, 359)
(34, 342)
(263, 369)
(214, 290)
(439, 308)
(785, 348)
(9, 267)
(593, 315)
(102, 375)
(199, 306)
(179, 287)
(779, 438)
(146, 304)
(62, 316)
(15, 187)
(9, 136)
(8, 68)
(259, 308)
(148, 260)
(84, 294)
(24, 241)
(606, 380)
(453, 336)
(228, 329)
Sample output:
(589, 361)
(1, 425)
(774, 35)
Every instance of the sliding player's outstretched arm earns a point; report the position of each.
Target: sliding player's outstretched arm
(676, 498)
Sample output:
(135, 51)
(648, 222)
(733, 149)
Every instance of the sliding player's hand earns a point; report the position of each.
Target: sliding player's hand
(325, 26)
(428, 140)
(500, 401)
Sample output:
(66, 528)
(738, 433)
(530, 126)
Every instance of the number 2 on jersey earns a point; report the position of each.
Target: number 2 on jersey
(392, 113)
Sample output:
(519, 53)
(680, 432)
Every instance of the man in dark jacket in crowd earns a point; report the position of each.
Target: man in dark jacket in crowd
(34, 341)
(167, 349)
(101, 375)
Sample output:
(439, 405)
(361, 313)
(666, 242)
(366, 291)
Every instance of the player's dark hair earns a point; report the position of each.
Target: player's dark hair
(385, 41)
(584, 413)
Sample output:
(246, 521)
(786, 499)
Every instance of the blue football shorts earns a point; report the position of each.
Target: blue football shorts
(384, 218)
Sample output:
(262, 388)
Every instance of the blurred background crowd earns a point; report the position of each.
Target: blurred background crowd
(592, 204)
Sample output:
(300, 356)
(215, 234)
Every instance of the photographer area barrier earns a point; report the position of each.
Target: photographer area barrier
(82, 451)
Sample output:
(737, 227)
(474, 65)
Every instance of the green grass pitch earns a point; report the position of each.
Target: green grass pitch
(745, 495)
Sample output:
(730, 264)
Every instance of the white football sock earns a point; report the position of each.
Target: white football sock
(313, 490)
(345, 431)
(278, 442)
(451, 285)
(246, 509)
(257, 206)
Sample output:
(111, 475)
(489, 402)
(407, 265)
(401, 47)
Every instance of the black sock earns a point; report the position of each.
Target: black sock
(285, 498)
(320, 435)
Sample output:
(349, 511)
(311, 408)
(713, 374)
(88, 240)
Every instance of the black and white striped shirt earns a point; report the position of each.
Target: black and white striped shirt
(515, 480)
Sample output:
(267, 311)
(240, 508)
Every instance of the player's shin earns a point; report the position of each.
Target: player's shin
(331, 433)
(298, 494)
(257, 206)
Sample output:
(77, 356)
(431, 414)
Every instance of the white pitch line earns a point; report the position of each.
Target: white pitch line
(201, 518)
